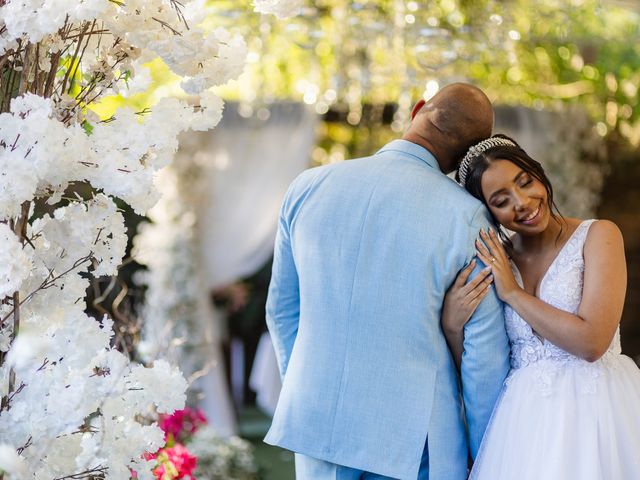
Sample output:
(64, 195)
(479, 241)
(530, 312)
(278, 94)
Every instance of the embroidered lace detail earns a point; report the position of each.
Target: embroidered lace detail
(561, 287)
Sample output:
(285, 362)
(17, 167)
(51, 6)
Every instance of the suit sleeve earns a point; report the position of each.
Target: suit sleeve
(283, 300)
(485, 361)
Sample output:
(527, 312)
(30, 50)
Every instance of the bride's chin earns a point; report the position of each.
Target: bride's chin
(531, 230)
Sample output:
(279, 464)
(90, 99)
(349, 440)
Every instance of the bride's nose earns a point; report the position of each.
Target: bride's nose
(520, 201)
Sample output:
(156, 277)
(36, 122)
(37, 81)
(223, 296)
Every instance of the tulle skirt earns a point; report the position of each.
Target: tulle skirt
(564, 421)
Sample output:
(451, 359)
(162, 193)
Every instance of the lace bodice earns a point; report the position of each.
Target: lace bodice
(561, 287)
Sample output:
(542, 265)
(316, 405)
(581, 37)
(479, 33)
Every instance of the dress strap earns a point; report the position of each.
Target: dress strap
(583, 229)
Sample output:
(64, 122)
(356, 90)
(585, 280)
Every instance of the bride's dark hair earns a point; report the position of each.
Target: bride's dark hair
(478, 164)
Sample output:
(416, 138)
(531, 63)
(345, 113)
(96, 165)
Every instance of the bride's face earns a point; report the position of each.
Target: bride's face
(516, 199)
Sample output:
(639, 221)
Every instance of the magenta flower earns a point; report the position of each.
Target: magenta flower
(181, 424)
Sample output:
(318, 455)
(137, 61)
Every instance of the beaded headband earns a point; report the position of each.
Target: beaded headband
(478, 149)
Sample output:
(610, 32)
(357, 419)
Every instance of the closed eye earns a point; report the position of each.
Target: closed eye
(525, 180)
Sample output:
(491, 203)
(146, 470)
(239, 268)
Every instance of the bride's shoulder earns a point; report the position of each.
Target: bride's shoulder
(603, 234)
(603, 227)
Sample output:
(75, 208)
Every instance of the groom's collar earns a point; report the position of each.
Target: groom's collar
(413, 149)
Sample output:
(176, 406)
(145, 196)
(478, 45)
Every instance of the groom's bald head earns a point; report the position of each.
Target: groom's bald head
(457, 117)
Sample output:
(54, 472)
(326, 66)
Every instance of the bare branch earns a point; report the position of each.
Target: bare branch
(94, 473)
(26, 67)
(25, 446)
(166, 25)
(6, 401)
(73, 58)
(178, 6)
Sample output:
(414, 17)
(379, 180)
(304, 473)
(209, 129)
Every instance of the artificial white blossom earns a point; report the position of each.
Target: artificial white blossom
(280, 8)
(11, 463)
(15, 264)
(34, 19)
(222, 457)
(74, 406)
(161, 373)
(210, 113)
(93, 228)
(222, 59)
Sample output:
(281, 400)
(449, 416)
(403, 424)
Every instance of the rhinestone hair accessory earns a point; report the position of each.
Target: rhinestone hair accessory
(477, 149)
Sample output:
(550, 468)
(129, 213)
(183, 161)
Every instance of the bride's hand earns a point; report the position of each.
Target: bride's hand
(462, 298)
(495, 257)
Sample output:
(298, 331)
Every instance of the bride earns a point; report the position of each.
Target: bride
(570, 407)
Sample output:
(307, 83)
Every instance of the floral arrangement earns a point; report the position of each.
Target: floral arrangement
(71, 405)
(194, 450)
(174, 303)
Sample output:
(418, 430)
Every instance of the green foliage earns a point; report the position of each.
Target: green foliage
(541, 54)
(342, 54)
(87, 127)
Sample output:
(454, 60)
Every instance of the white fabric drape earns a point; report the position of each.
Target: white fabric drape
(216, 401)
(265, 376)
(249, 165)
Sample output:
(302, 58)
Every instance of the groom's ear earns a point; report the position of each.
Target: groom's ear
(418, 106)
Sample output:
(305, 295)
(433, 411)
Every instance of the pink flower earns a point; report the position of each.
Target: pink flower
(160, 472)
(184, 462)
(181, 424)
(175, 463)
(150, 456)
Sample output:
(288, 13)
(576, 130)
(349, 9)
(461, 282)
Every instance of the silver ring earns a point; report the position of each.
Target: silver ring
(493, 259)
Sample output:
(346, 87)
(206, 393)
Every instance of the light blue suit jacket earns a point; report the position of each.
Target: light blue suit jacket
(364, 254)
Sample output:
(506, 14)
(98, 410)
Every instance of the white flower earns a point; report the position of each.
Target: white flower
(59, 459)
(214, 61)
(210, 114)
(143, 468)
(67, 375)
(5, 336)
(14, 262)
(280, 8)
(39, 152)
(139, 83)
(154, 382)
(27, 348)
(221, 457)
(10, 462)
(93, 228)
(35, 19)
(230, 61)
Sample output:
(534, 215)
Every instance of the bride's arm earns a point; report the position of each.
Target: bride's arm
(589, 333)
(460, 301)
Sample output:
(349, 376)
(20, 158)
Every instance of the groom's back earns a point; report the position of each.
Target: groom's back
(376, 243)
(384, 236)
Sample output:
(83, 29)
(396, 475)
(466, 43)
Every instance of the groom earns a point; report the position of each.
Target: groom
(364, 254)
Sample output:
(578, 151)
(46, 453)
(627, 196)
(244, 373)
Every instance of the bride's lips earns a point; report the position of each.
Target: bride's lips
(532, 217)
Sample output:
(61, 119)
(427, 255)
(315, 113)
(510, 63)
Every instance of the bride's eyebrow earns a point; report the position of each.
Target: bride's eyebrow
(517, 177)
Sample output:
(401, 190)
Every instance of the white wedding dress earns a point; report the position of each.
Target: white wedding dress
(560, 417)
